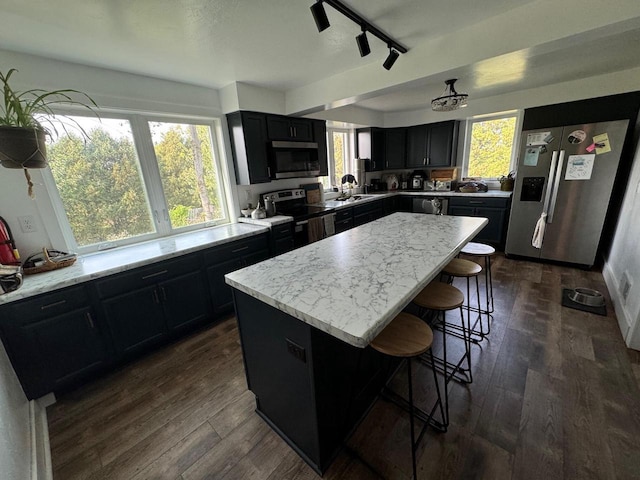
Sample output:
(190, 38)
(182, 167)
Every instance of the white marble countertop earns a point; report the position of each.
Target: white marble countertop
(267, 222)
(353, 284)
(97, 265)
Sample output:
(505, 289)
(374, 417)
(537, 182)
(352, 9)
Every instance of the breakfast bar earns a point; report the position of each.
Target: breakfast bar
(306, 318)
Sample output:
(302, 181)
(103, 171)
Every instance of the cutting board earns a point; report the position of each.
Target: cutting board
(312, 191)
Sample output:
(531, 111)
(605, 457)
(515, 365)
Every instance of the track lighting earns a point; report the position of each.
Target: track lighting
(363, 44)
(322, 22)
(391, 59)
(320, 16)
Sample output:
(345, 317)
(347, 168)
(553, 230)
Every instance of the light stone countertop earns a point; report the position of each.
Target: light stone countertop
(97, 265)
(353, 284)
(266, 222)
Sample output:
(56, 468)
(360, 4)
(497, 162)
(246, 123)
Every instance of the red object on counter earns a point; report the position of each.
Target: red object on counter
(8, 252)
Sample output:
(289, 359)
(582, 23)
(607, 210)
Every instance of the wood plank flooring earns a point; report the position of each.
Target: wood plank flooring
(555, 396)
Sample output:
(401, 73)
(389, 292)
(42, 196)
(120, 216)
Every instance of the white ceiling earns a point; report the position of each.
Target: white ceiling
(274, 44)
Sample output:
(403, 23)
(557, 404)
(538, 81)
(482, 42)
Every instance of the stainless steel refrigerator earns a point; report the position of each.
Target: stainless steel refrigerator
(564, 182)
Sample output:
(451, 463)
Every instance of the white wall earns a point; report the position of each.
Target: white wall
(15, 433)
(624, 259)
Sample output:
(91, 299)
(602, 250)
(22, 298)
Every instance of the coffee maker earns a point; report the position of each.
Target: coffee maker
(416, 180)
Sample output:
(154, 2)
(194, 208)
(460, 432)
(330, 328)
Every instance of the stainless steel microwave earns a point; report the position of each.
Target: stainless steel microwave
(294, 160)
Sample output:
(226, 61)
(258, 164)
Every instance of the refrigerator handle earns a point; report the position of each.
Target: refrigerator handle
(556, 185)
(552, 173)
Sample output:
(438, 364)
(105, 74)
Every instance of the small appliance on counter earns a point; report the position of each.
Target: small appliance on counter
(391, 180)
(417, 179)
(10, 278)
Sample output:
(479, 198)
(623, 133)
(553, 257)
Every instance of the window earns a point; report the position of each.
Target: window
(490, 143)
(340, 158)
(134, 178)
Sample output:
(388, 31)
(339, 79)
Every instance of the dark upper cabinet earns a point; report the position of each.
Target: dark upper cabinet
(289, 128)
(370, 145)
(395, 148)
(320, 137)
(432, 145)
(248, 133)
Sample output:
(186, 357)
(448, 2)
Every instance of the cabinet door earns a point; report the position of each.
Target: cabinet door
(320, 137)
(279, 128)
(248, 132)
(417, 146)
(343, 225)
(302, 129)
(370, 144)
(185, 300)
(221, 297)
(136, 319)
(395, 147)
(441, 145)
(494, 231)
(461, 211)
(55, 351)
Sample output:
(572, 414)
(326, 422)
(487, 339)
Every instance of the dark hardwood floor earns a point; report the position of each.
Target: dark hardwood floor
(555, 396)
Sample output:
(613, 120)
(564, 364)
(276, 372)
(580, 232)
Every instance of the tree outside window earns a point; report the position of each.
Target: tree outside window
(491, 147)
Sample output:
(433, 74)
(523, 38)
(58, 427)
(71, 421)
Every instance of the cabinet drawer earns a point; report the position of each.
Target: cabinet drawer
(343, 214)
(235, 249)
(281, 231)
(50, 304)
(479, 202)
(145, 276)
(367, 207)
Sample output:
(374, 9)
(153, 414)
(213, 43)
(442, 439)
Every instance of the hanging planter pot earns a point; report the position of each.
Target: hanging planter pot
(22, 147)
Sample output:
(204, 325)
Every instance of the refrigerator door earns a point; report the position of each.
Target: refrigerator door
(538, 149)
(580, 196)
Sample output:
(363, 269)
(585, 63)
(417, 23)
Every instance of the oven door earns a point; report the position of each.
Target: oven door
(301, 230)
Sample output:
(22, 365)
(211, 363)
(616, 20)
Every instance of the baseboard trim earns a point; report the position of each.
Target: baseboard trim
(40, 447)
(624, 322)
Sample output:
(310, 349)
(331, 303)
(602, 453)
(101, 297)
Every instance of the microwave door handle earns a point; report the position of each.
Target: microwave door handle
(552, 173)
(556, 186)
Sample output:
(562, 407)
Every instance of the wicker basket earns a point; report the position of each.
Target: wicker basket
(53, 259)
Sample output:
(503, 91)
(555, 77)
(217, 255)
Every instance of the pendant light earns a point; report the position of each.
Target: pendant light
(450, 99)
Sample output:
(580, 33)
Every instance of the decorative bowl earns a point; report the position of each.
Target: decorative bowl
(245, 212)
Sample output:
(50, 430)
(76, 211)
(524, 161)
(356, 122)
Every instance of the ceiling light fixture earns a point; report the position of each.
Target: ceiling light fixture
(450, 99)
(322, 22)
(391, 59)
(363, 43)
(320, 16)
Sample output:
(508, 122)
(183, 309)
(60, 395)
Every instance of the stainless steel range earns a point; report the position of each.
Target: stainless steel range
(311, 222)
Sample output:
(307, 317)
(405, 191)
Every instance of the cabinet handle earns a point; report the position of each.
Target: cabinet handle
(240, 249)
(151, 275)
(428, 161)
(156, 299)
(164, 293)
(90, 320)
(476, 202)
(54, 304)
(291, 131)
(424, 161)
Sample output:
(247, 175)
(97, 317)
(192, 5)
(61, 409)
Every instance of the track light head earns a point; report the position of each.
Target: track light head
(363, 44)
(391, 59)
(320, 16)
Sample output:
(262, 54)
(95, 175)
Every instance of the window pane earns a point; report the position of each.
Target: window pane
(188, 171)
(338, 156)
(491, 145)
(99, 179)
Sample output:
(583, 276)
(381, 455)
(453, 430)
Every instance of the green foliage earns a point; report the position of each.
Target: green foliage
(491, 144)
(179, 215)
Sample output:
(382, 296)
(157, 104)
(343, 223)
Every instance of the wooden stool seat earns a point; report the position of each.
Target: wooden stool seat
(478, 249)
(462, 268)
(406, 336)
(439, 296)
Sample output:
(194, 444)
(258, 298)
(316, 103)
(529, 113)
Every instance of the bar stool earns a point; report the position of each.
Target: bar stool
(474, 249)
(440, 298)
(459, 267)
(407, 337)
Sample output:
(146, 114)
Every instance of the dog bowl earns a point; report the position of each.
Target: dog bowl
(586, 296)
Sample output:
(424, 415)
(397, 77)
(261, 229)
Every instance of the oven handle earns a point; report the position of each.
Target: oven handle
(302, 222)
(305, 222)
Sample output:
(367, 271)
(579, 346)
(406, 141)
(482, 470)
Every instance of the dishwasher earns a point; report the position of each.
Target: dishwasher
(430, 205)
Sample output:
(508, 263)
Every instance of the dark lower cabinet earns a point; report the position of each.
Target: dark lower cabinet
(53, 340)
(282, 239)
(367, 212)
(220, 261)
(496, 210)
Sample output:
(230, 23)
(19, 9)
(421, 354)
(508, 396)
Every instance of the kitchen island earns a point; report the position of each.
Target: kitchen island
(306, 318)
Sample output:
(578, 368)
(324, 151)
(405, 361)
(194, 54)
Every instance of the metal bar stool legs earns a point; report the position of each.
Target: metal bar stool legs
(407, 337)
(474, 249)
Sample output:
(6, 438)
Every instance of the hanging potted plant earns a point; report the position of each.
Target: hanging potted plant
(22, 135)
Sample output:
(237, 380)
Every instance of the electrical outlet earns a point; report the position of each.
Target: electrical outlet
(297, 351)
(27, 224)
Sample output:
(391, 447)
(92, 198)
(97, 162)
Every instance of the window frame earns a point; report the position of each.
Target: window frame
(348, 153)
(513, 161)
(150, 176)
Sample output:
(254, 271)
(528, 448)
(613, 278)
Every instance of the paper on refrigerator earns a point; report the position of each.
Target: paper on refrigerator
(579, 167)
